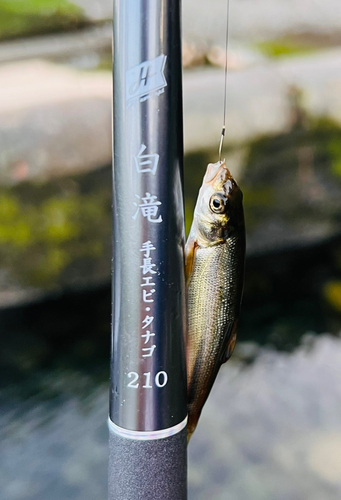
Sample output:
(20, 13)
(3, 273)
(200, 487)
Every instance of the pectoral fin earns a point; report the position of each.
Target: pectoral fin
(191, 246)
(231, 342)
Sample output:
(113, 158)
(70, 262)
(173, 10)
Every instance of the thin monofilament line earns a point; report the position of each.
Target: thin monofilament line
(225, 84)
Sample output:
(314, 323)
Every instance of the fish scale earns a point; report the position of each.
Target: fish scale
(208, 314)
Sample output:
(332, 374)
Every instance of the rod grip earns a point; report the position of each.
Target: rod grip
(148, 470)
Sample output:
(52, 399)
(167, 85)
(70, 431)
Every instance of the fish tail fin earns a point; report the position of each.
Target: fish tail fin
(191, 426)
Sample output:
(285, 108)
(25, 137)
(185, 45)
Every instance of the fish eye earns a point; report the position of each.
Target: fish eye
(217, 203)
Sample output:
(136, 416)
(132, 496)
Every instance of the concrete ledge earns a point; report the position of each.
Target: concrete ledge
(55, 119)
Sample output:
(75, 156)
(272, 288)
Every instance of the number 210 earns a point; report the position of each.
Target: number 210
(161, 379)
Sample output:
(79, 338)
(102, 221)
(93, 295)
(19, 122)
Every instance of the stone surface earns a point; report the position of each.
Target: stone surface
(205, 22)
(55, 236)
(58, 46)
(53, 121)
(58, 120)
(258, 100)
(55, 230)
(256, 105)
(96, 9)
(264, 19)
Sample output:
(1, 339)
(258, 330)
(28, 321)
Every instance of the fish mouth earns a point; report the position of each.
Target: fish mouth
(216, 169)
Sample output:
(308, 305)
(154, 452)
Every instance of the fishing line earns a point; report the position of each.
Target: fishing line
(226, 75)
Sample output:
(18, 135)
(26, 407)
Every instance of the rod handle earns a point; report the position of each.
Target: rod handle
(148, 470)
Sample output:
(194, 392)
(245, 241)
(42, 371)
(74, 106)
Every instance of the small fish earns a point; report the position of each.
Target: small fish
(215, 254)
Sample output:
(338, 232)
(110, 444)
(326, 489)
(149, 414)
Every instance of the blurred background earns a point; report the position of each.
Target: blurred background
(272, 426)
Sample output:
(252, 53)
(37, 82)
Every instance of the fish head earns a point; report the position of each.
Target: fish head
(219, 209)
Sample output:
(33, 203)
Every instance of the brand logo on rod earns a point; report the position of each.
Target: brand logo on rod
(146, 79)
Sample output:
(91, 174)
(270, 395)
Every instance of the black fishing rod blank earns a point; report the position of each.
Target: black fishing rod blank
(148, 415)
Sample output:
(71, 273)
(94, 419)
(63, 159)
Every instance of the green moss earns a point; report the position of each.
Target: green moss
(8, 207)
(50, 232)
(332, 294)
(17, 234)
(59, 222)
(294, 178)
(334, 148)
(283, 48)
(189, 209)
(31, 17)
(262, 197)
(105, 63)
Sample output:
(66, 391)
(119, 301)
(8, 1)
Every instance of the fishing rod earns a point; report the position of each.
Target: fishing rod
(148, 403)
